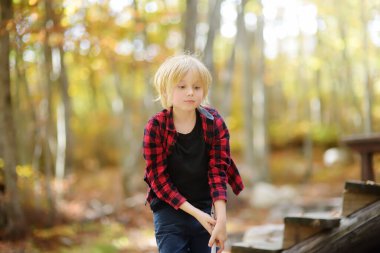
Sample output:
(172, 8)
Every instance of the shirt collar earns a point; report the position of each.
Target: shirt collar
(203, 112)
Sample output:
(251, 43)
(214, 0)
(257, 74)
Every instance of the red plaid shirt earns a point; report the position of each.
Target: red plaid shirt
(159, 138)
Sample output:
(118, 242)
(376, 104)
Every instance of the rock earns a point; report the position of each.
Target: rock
(337, 157)
(266, 195)
(264, 233)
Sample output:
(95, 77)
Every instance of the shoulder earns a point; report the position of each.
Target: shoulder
(215, 115)
(158, 120)
(210, 113)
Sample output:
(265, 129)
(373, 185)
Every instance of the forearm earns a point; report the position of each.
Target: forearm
(204, 218)
(220, 210)
(190, 209)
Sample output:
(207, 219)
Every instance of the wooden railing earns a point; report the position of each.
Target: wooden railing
(366, 145)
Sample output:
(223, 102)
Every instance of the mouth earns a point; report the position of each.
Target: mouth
(189, 101)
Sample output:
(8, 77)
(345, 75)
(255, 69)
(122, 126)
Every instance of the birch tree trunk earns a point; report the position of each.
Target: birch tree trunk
(306, 112)
(227, 84)
(191, 16)
(367, 76)
(48, 70)
(260, 135)
(208, 57)
(246, 49)
(348, 76)
(67, 138)
(15, 218)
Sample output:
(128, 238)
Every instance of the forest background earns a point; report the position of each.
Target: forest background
(290, 77)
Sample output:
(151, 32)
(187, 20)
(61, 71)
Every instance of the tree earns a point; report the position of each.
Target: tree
(208, 57)
(246, 49)
(368, 104)
(15, 219)
(260, 119)
(48, 130)
(191, 15)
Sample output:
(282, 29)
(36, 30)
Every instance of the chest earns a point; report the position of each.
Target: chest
(170, 138)
(184, 128)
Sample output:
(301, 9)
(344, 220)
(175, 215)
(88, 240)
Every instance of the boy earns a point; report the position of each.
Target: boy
(188, 163)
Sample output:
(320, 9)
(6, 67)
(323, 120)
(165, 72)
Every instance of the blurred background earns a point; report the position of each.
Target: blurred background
(291, 79)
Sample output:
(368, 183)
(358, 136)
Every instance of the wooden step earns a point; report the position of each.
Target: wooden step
(257, 247)
(298, 228)
(359, 194)
(261, 239)
(357, 233)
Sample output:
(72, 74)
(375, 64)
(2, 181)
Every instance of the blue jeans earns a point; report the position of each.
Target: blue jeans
(178, 232)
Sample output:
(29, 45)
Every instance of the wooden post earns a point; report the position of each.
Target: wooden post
(366, 145)
(367, 166)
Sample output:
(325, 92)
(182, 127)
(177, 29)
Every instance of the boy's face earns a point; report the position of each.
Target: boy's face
(188, 94)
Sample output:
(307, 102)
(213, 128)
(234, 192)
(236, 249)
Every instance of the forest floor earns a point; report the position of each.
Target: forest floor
(96, 218)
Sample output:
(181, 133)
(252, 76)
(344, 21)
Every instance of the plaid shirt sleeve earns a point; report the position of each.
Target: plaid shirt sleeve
(219, 159)
(155, 171)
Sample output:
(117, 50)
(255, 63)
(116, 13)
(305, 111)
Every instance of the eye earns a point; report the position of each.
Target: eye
(181, 87)
(197, 87)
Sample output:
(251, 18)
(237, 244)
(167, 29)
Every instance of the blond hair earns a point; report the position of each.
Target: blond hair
(172, 71)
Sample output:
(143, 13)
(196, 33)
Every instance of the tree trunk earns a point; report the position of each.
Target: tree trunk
(190, 19)
(15, 218)
(347, 78)
(26, 110)
(260, 137)
(246, 49)
(68, 138)
(306, 113)
(227, 84)
(48, 69)
(208, 57)
(367, 78)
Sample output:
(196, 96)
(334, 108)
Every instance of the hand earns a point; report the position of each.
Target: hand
(206, 221)
(218, 235)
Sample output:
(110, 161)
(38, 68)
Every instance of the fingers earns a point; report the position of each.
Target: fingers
(209, 228)
(212, 240)
(221, 246)
(212, 221)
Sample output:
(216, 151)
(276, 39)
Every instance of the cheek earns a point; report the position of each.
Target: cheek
(169, 99)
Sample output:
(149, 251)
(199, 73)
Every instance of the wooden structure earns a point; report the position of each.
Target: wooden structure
(358, 195)
(358, 229)
(358, 233)
(366, 145)
(300, 228)
(355, 232)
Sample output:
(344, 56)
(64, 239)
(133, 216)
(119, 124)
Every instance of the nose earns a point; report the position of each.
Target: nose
(190, 91)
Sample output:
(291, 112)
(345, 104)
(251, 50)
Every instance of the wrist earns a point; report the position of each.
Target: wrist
(221, 219)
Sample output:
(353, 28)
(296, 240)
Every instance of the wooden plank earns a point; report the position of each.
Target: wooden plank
(262, 247)
(368, 187)
(363, 142)
(300, 228)
(310, 221)
(356, 234)
(358, 195)
(353, 202)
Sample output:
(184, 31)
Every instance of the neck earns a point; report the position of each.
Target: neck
(183, 116)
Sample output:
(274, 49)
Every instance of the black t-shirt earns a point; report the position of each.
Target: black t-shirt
(188, 167)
